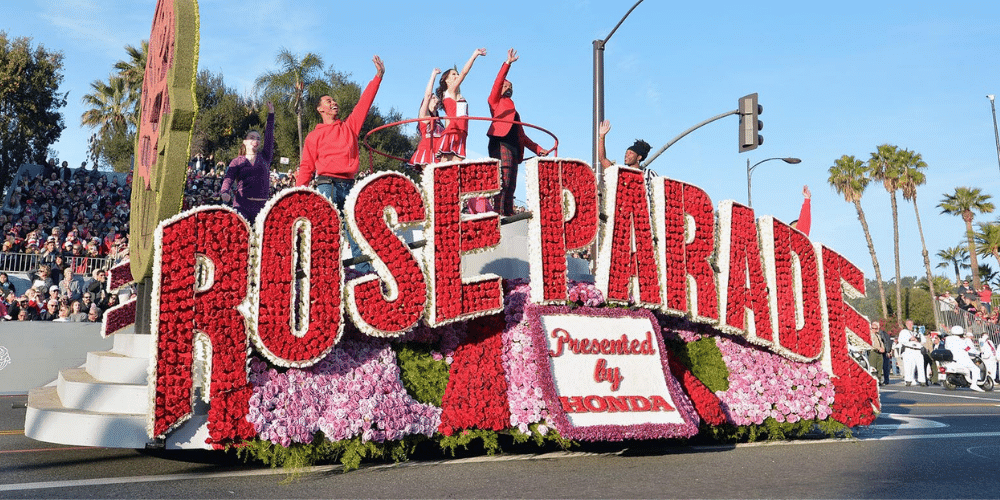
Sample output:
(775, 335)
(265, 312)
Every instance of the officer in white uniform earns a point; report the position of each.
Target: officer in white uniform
(913, 360)
(960, 347)
(989, 355)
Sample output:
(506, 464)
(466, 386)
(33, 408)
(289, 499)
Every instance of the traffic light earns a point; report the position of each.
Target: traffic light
(750, 123)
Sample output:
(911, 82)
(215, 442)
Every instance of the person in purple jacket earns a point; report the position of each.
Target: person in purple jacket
(247, 181)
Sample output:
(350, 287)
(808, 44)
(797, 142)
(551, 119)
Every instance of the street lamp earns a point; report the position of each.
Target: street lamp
(599, 92)
(995, 132)
(750, 169)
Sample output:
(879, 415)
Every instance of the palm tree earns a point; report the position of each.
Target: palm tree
(987, 274)
(937, 282)
(964, 202)
(957, 257)
(988, 239)
(293, 84)
(133, 71)
(109, 107)
(884, 166)
(911, 177)
(849, 177)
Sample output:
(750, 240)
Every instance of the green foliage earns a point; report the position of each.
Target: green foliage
(29, 103)
(490, 441)
(224, 119)
(772, 430)
(423, 377)
(704, 360)
(350, 452)
(551, 436)
(113, 109)
(917, 305)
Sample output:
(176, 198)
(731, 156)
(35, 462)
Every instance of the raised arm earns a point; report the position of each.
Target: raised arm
(424, 112)
(601, 155)
(360, 111)
(468, 65)
(494, 97)
(267, 152)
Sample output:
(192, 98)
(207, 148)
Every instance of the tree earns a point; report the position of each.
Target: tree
(938, 282)
(295, 83)
(884, 166)
(111, 113)
(957, 257)
(965, 202)
(988, 239)
(911, 177)
(224, 118)
(29, 103)
(114, 109)
(133, 72)
(849, 177)
(987, 274)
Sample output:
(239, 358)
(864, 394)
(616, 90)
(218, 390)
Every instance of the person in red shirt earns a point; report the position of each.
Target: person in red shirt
(330, 154)
(507, 140)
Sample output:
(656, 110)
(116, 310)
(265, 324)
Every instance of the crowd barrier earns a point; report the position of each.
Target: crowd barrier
(969, 322)
(24, 263)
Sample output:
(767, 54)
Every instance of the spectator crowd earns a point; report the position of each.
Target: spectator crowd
(83, 212)
(63, 227)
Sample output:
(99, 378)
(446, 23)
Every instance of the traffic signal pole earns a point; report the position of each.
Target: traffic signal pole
(686, 132)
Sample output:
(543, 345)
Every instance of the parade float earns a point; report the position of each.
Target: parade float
(698, 319)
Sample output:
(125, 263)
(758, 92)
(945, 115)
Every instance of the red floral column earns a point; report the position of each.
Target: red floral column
(392, 300)
(856, 391)
(299, 226)
(212, 242)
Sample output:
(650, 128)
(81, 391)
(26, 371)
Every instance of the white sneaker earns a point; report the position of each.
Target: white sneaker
(976, 388)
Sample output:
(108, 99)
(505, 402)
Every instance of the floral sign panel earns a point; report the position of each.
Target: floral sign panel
(608, 375)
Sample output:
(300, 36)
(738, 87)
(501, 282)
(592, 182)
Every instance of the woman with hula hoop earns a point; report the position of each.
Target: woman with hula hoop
(452, 146)
(429, 127)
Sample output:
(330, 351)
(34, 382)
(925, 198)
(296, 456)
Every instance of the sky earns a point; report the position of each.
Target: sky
(834, 78)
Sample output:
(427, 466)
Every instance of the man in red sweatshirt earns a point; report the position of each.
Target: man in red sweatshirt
(330, 154)
(507, 140)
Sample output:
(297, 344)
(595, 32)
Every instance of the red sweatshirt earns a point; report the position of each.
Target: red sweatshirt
(331, 149)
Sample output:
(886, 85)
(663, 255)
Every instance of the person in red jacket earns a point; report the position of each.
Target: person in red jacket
(330, 155)
(507, 140)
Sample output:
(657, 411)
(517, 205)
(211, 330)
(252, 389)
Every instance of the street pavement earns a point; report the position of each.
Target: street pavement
(928, 443)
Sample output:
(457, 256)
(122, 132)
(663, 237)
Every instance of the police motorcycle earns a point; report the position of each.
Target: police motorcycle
(860, 356)
(954, 373)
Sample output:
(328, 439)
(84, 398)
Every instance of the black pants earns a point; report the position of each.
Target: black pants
(507, 154)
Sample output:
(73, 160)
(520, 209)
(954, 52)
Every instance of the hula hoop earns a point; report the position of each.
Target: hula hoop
(372, 149)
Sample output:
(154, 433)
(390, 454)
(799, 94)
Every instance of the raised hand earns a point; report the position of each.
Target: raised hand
(511, 55)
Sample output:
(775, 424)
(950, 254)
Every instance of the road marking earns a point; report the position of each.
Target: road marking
(909, 422)
(927, 405)
(12, 433)
(931, 436)
(272, 471)
(945, 395)
(36, 450)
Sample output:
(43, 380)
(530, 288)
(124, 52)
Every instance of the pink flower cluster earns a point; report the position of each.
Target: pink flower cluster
(522, 365)
(355, 390)
(762, 385)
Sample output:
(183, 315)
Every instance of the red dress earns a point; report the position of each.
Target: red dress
(430, 136)
(454, 135)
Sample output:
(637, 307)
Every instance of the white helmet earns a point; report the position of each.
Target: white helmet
(957, 330)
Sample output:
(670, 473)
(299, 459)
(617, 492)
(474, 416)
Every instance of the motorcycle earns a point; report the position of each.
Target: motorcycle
(954, 374)
(861, 357)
